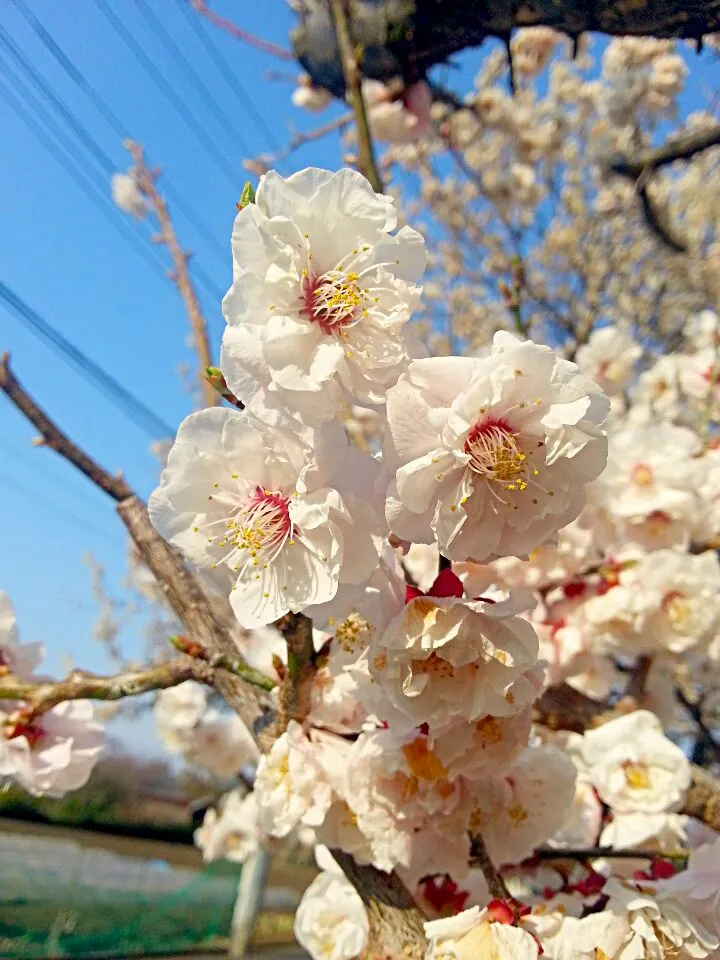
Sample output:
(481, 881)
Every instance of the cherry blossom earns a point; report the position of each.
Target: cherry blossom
(321, 294)
(609, 357)
(491, 456)
(15, 657)
(472, 934)
(330, 921)
(127, 195)
(252, 500)
(234, 833)
(633, 765)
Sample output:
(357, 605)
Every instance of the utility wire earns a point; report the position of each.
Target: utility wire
(113, 120)
(29, 114)
(233, 82)
(227, 168)
(121, 398)
(188, 70)
(148, 250)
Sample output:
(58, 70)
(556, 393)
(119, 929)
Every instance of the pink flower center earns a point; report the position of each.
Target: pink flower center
(261, 527)
(642, 475)
(334, 300)
(496, 455)
(32, 730)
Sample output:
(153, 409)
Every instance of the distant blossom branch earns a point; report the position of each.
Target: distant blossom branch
(239, 34)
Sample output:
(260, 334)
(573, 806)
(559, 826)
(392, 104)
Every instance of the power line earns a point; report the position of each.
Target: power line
(224, 67)
(169, 92)
(147, 250)
(187, 68)
(121, 398)
(112, 119)
(97, 197)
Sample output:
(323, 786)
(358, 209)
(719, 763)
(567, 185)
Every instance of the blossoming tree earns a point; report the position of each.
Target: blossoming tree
(463, 604)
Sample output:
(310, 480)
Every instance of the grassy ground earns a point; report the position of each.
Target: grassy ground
(61, 897)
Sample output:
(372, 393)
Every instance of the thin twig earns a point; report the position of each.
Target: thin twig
(479, 857)
(146, 181)
(638, 679)
(608, 853)
(309, 136)
(681, 147)
(353, 82)
(54, 438)
(239, 34)
(696, 713)
(38, 698)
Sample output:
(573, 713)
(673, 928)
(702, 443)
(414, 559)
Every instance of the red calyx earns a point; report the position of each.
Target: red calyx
(662, 869)
(444, 895)
(446, 584)
(576, 588)
(501, 912)
(592, 883)
(641, 875)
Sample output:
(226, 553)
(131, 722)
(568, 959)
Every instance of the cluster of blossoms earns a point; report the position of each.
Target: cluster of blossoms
(419, 735)
(51, 754)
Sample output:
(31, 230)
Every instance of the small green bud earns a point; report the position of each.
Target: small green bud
(215, 378)
(247, 196)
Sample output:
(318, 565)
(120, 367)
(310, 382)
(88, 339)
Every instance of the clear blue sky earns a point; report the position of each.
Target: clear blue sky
(66, 259)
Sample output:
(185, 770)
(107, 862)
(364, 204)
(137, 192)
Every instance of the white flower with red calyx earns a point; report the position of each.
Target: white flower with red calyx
(587, 938)
(331, 922)
(490, 456)
(518, 812)
(54, 753)
(667, 601)
(444, 658)
(232, 834)
(476, 933)
(290, 785)
(322, 292)
(609, 357)
(634, 767)
(257, 503)
(308, 96)
(650, 478)
(393, 120)
(21, 659)
(659, 388)
(660, 925)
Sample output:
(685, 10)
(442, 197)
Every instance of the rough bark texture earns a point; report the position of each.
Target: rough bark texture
(205, 622)
(406, 37)
(395, 919)
(703, 799)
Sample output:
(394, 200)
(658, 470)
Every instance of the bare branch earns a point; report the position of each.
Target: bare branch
(479, 857)
(610, 853)
(54, 438)
(146, 181)
(684, 146)
(307, 136)
(296, 684)
(38, 698)
(353, 83)
(396, 921)
(695, 711)
(239, 34)
(210, 624)
(659, 222)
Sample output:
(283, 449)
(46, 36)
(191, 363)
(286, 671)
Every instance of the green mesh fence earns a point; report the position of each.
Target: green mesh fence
(60, 898)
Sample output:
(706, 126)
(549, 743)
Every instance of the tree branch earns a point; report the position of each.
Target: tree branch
(295, 688)
(54, 438)
(696, 713)
(479, 857)
(684, 146)
(353, 84)
(239, 34)
(79, 685)
(212, 625)
(703, 798)
(396, 921)
(146, 181)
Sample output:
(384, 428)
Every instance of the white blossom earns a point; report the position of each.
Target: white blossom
(322, 291)
(471, 935)
(256, 501)
(330, 921)
(633, 765)
(609, 357)
(18, 658)
(56, 752)
(491, 456)
(127, 195)
(232, 834)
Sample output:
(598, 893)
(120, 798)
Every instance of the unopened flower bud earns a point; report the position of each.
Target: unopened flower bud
(247, 196)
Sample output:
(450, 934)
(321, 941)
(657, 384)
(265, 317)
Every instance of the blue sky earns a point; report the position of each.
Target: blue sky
(69, 262)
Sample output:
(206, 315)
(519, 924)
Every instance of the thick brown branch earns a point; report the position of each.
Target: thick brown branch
(396, 922)
(353, 84)
(146, 181)
(54, 438)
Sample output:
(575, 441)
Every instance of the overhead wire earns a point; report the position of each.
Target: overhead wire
(111, 118)
(160, 31)
(205, 139)
(212, 47)
(30, 115)
(133, 408)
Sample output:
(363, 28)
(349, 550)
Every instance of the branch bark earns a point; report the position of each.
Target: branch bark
(400, 39)
(239, 34)
(684, 146)
(396, 921)
(353, 84)
(146, 181)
